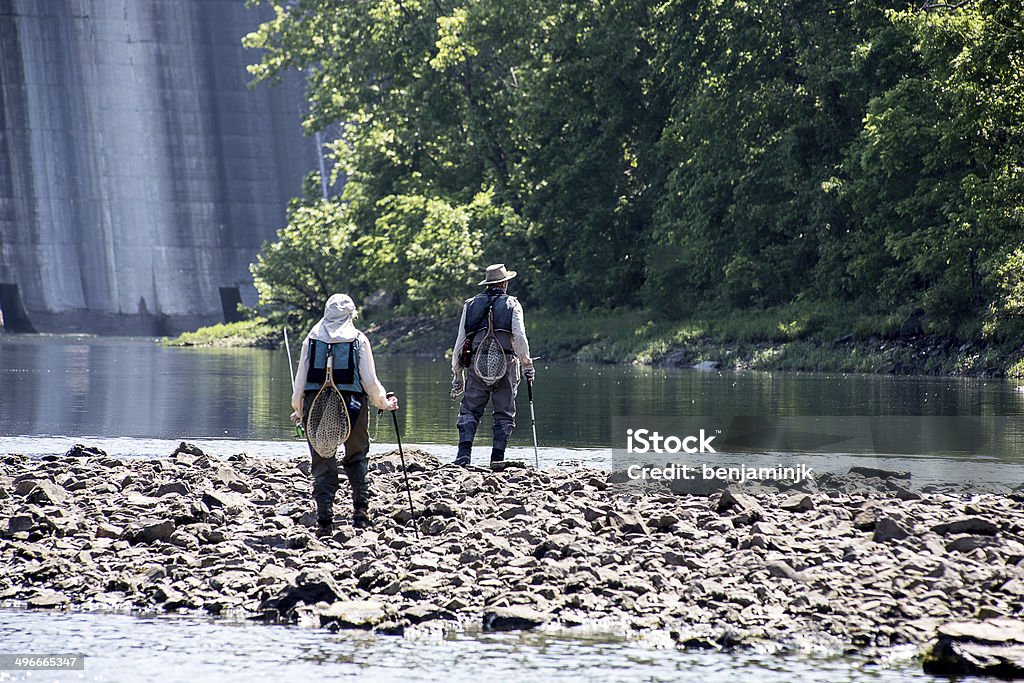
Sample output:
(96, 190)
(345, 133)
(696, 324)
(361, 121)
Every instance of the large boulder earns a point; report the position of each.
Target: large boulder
(514, 618)
(309, 588)
(994, 647)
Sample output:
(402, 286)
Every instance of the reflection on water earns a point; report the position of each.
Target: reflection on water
(108, 390)
(168, 649)
(135, 387)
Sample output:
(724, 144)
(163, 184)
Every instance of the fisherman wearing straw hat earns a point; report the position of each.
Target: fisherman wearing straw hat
(356, 376)
(506, 319)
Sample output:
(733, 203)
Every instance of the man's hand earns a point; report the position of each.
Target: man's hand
(392, 403)
(529, 373)
(295, 417)
(458, 386)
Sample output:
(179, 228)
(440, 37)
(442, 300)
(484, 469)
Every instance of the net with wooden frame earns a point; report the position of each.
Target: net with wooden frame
(489, 361)
(328, 423)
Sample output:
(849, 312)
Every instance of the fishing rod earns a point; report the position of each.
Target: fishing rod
(405, 470)
(291, 376)
(533, 421)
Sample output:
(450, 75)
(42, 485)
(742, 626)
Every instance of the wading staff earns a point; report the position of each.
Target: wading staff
(405, 471)
(291, 376)
(533, 423)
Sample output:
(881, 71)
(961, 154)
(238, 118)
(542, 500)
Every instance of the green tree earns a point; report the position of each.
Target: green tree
(935, 184)
(767, 96)
(314, 256)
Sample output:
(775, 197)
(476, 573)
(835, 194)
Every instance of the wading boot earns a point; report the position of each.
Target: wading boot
(465, 450)
(497, 460)
(356, 473)
(324, 518)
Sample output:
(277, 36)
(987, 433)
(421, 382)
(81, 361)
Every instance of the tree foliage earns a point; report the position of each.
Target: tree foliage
(670, 154)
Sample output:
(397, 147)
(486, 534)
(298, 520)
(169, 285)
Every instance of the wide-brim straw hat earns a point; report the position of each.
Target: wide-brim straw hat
(496, 274)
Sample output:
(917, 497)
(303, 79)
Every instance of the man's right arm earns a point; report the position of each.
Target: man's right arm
(300, 377)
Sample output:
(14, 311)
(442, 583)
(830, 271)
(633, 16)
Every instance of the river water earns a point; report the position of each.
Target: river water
(135, 397)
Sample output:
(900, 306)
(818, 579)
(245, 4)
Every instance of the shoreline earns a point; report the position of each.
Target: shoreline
(852, 563)
(630, 340)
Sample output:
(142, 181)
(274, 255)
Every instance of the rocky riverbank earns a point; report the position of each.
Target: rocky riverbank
(573, 338)
(855, 561)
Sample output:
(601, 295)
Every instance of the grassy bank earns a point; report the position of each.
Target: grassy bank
(795, 338)
(256, 332)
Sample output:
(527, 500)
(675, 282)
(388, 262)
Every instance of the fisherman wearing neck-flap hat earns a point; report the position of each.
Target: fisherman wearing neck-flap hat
(492, 351)
(355, 374)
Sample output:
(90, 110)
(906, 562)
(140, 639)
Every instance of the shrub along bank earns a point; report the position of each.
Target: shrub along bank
(792, 338)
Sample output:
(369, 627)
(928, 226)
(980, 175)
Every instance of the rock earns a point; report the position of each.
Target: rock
(514, 618)
(272, 573)
(105, 530)
(227, 476)
(156, 530)
(178, 487)
(363, 614)
(183, 539)
(309, 588)
(513, 511)
(967, 525)
(48, 599)
(906, 494)
(663, 521)
(48, 493)
(739, 503)
(417, 614)
(136, 499)
(444, 508)
(707, 365)
(782, 570)
(965, 544)
(188, 449)
(171, 597)
(627, 522)
(25, 486)
(18, 523)
(877, 473)
(866, 519)
(698, 486)
(797, 503)
(232, 502)
(993, 647)
(888, 529)
(82, 451)
(425, 561)
(207, 534)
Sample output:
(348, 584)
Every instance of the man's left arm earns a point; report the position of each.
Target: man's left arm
(375, 391)
(520, 344)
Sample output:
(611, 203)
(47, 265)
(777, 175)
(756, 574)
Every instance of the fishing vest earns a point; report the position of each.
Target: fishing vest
(476, 318)
(346, 365)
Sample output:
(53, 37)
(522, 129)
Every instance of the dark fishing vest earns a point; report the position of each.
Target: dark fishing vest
(346, 365)
(476, 318)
